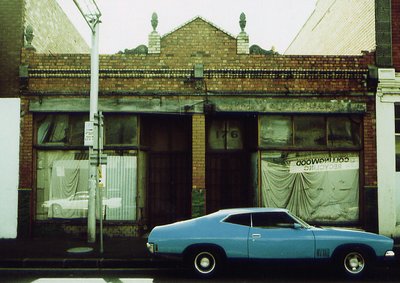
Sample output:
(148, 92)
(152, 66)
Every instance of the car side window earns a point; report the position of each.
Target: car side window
(239, 219)
(271, 220)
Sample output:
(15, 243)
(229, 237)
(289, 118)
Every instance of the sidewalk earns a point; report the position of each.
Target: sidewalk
(75, 253)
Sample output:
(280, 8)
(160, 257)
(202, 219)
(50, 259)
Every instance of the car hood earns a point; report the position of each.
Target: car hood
(349, 235)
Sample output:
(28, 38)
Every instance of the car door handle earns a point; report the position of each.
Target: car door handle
(256, 236)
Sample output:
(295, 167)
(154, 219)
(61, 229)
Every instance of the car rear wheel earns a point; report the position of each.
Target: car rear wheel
(206, 263)
(354, 263)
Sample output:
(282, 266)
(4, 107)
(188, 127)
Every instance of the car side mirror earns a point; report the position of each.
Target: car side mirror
(297, 226)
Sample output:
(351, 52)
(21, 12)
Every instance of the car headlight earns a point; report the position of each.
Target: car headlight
(389, 254)
(152, 247)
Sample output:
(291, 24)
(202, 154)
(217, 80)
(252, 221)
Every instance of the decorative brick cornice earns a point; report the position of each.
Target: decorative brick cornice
(208, 73)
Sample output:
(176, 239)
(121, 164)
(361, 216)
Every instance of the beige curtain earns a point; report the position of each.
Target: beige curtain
(322, 196)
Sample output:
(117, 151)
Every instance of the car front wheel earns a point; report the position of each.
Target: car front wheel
(205, 263)
(354, 263)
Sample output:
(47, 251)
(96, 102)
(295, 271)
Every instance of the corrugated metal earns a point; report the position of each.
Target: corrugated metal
(121, 183)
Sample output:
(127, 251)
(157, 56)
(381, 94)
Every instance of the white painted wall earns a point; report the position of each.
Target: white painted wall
(386, 166)
(388, 94)
(9, 166)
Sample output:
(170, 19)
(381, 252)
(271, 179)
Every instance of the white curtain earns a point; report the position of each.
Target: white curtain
(323, 196)
(121, 184)
(68, 194)
(68, 177)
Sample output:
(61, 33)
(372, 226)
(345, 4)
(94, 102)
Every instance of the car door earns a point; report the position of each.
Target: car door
(273, 235)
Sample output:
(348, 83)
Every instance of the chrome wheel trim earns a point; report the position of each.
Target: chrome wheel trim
(205, 262)
(354, 262)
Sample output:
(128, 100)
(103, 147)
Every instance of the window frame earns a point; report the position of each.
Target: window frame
(328, 145)
(397, 136)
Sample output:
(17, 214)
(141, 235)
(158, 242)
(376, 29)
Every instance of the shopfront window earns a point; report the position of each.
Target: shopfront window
(318, 186)
(63, 168)
(310, 165)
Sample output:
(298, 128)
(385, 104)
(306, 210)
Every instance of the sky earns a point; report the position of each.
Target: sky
(125, 24)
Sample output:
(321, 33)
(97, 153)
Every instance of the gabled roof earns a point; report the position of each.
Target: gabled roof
(203, 19)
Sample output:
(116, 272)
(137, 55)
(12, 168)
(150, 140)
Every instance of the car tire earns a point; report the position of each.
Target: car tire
(354, 262)
(206, 262)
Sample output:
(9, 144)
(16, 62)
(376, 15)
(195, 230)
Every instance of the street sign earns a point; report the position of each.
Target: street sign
(89, 134)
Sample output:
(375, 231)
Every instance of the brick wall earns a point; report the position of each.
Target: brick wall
(76, 78)
(340, 27)
(370, 169)
(11, 22)
(395, 34)
(54, 33)
(198, 151)
(26, 142)
(383, 19)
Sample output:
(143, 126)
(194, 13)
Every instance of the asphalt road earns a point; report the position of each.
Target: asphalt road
(235, 274)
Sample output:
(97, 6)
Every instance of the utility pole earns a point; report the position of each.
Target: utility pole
(92, 14)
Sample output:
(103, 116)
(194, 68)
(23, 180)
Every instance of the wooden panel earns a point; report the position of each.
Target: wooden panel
(228, 181)
(169, 197)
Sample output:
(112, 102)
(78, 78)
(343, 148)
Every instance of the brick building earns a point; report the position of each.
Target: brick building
(337, 27)
(194, 123)
(52, 32)
(386, 75)
(47, 30)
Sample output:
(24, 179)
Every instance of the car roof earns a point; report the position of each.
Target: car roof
(250, 210)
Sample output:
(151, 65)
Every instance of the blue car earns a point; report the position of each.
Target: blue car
(208, 242)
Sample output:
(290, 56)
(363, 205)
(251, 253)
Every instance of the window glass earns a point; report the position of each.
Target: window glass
(62, 185)
(397, 135)
(397, 153)
(52, 129)
(276, 131)
(225, 134)
(240, 219)
(344, 131)
(309, 131)
(234, 139)
(272, 220)
(60, 129)
(77, 128)
(120, 129)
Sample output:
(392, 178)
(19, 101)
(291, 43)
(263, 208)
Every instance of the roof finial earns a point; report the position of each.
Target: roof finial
(242, 21)
(154, 21)
(29, 36)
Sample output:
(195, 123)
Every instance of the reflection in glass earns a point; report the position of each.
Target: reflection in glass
(344, 131)
(52, 129)
(120, 129)
(309, 131)
(276, 131)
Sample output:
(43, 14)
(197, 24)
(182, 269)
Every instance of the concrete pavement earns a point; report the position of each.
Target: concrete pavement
(56, 252)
